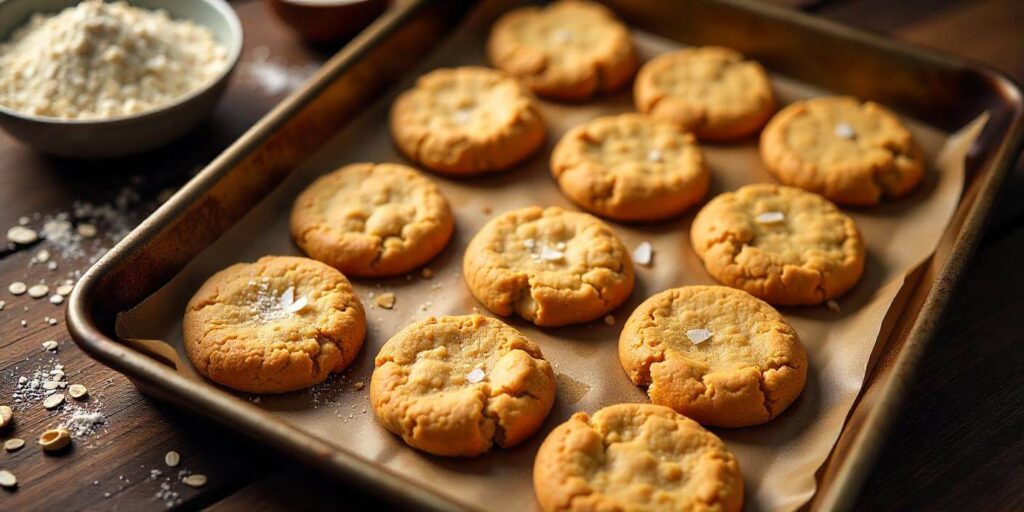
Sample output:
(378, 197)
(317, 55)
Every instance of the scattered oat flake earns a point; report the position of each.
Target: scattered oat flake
(386, 300)
(845, 131)
(6, 414)
(195, 480)
(50, 345)
(698, 336)
(53, 401)
(476, 376)
(2, 304)
(298, 305)
(288, 297)
(86, 230)
(609, 320)
(65, 289)
(38, 291)
(22, 235)
(14, 444)
(643, 254)
(77, 391)
(43, 256)
(172, 459)
(7, 479)
(832, 306)
(51, 321)
(55, 439)
(773, 217)
(17, 288)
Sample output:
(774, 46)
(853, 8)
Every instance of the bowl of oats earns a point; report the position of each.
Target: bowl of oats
(92, 79)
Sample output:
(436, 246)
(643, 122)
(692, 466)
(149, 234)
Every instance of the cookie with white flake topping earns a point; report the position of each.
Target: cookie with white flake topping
(279, 324)
(458, 385)
(372, 220)
(852, 153)
(635, 457)
(781, 244)
(715, 354)
(567, 50)
(467, 120)
(550, 266)
(629, 167)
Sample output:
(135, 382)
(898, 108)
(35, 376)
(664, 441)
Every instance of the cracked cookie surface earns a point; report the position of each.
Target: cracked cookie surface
(550, 266)
(636, 457)
(780, 244)
(276, 325)
(457, 385)
(372, 220)
(715, 354)
(567, 50)
(466, 120)
(711, 91)
(850, 152)
(630, 167)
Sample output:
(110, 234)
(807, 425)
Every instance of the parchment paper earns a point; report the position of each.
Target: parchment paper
(778, 460)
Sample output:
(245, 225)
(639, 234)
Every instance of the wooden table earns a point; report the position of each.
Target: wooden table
(959, 443)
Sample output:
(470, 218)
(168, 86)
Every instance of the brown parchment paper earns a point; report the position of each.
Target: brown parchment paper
(778, 460)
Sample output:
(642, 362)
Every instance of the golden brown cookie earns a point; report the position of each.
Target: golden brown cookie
(636, 457)
(716, 354)
(780, 244)
(280, 324)
(457, 385)
(630, 167)
(850, 152)
(568, 50)
(711, 91)
(372, 220)
(466, 120)
(550, 266)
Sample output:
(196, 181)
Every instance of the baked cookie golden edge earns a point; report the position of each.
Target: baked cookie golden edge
(423, 390)
(287, 352)
(751, 368)
(394, 219)
(635, 457)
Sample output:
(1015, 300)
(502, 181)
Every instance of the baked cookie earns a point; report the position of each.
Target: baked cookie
(629, 167)
(636, 457)
(568, 50)
(780, 244)
(372, 220)
(550, 266)
(853, 153)
(466, 120)
(280, 324)
(716, 354)
(711, 91)
(457, 385)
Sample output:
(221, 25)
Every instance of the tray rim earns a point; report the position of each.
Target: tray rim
(162, 381)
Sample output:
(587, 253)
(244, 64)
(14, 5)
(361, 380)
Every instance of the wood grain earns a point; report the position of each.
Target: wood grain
(957, 444)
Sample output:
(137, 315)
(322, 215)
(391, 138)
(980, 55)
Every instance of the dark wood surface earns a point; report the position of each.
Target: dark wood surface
(958, 443)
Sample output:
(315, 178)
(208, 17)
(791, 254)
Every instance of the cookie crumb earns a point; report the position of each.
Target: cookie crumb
(55, 439)
(643, 254)
(832, 305)
(386, 300)
(773, 217)
(698, 336)
(358, 385)
(50, 345)
(609, 320)
(845, 131)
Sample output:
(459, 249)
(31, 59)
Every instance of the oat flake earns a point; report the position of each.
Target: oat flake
(643, 254)
(773, 217)
(845, 131)
(476, 376)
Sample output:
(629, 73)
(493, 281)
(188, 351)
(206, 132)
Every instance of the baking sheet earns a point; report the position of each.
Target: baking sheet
(779, 460)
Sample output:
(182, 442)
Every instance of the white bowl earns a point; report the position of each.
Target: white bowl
(124, 135)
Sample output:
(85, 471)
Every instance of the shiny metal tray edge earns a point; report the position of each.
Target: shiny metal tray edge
(251, 167)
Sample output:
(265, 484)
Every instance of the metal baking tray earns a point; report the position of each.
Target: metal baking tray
(941, 90)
